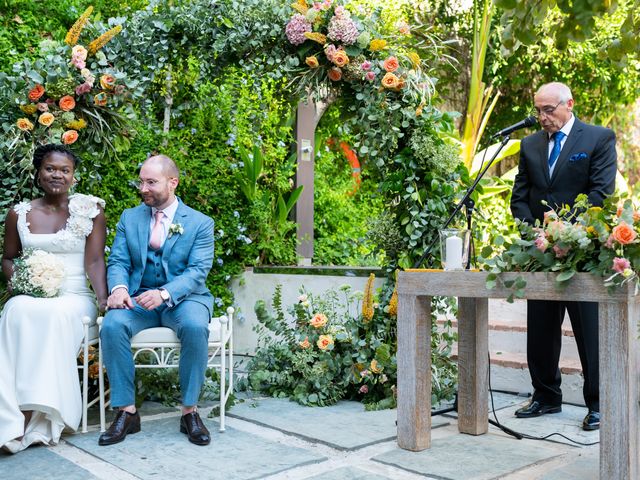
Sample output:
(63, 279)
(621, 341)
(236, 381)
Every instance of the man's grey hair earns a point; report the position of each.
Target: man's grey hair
(562, 91)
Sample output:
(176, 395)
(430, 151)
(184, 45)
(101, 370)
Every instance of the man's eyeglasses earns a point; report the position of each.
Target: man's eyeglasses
(546, 111)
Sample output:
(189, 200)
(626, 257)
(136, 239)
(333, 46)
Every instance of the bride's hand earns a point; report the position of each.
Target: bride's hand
(102, 306)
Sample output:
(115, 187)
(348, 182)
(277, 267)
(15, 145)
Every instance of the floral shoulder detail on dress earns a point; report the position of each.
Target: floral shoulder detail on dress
(22, 208)
(82, 210)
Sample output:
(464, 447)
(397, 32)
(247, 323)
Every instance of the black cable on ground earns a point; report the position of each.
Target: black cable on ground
(520, 435)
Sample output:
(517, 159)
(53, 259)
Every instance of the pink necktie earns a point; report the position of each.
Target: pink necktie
(155, 242)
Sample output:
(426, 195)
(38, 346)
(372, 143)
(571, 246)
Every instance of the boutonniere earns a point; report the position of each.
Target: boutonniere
(577, 157)
(176, 228)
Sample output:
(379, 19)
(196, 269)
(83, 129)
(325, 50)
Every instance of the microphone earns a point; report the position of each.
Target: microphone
(527, 122)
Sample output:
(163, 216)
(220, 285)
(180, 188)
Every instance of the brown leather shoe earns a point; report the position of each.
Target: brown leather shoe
(192, 425)
(123, 424)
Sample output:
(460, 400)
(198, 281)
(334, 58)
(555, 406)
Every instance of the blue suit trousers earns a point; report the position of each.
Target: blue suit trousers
(190, 321)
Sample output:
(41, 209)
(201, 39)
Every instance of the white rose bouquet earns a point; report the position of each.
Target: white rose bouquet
(37, 273)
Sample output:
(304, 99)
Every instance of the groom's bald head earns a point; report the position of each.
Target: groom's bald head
(169, 167)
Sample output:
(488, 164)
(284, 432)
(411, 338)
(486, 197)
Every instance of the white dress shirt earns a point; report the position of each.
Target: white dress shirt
(566, 129)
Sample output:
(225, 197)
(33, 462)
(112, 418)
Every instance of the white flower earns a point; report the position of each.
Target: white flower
(302, 298)
(85, 205)
(38, 273)
(176, 228)
(80, 226)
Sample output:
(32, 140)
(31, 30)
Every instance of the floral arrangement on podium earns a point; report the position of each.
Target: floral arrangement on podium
(72, 93)
(602, 240)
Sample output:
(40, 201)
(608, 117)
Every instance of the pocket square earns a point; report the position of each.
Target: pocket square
(576, 157)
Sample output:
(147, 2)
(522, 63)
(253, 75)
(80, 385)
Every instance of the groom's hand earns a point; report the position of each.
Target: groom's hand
(149, 300)
(120, 299)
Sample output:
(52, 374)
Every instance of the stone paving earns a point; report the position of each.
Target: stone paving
(272, 439)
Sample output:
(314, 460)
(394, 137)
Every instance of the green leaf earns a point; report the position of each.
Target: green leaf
(564, 276)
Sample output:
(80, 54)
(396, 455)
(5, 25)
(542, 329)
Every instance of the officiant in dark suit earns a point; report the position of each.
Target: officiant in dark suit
(566, 158)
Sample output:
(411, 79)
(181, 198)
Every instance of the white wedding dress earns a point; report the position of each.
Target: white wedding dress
(40, 337)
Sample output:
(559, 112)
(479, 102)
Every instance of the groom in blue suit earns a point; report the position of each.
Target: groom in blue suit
(159, 261)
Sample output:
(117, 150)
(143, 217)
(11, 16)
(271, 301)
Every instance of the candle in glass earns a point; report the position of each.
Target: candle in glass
(454, 253)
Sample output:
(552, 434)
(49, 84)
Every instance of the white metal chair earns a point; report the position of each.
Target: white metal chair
(164, 346)
(90, 338)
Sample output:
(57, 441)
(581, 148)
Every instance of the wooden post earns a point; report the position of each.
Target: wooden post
(473, 365)
(305, 133)
(414, 359)
(619, 370)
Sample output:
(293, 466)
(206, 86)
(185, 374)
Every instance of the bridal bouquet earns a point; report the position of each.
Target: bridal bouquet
(37, 273)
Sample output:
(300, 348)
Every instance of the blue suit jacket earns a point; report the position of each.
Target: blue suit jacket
(186, 258)
(587, 164)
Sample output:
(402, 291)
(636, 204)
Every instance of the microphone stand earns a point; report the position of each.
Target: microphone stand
(467, 202)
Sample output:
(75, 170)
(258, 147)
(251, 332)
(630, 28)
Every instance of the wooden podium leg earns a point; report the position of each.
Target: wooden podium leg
(414, 372)
(473, 365)
(619, 369)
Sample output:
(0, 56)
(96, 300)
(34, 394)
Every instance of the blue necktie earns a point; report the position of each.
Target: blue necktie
(557, 144)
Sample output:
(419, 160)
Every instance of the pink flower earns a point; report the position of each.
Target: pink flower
(82, 89)
(342, 29)
(620, 264)
(560, 252)
(609, 242)
(78, 63)
(541, 242)
(330, 50)
(370, 76)
(339, 11)
(296, 28)
(363, 389)
(366, 65)
(43, 107)
(364, 373)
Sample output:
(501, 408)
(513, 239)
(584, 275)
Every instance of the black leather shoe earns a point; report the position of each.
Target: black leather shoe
(591, 421)
(535, 409)
(123, 424)
(192, 425)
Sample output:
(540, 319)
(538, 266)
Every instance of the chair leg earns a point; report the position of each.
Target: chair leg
(223, 396)
(101, 388)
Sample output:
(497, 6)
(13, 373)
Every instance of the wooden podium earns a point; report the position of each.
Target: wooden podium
(619, 359)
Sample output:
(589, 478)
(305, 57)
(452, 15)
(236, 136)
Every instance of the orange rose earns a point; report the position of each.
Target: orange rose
(334, 74)
(67, 103)
(319, 320)
(390, 64)
(36, 92)
(340, 58)
(46, 119)
(636, 216)
(324, 342)
(390, 81)
(69, 137)
(24, 124)
(623, 233)
(305, 343)
(107, 81)
(312, 61)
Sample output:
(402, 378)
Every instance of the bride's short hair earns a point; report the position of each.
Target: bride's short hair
(43, 150)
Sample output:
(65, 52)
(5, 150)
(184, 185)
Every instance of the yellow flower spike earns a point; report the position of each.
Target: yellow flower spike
(377, 44)
(74, 32)
(367, 301)
(300, 6)
(415, 59)
(103, 39)
(316, 37)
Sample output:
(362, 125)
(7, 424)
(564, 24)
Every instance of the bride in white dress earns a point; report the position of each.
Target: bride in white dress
(40, 337)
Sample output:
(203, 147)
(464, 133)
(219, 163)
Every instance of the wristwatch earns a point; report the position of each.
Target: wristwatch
(164, 295)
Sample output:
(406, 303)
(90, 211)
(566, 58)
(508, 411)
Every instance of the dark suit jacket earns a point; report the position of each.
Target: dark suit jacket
(587, 164)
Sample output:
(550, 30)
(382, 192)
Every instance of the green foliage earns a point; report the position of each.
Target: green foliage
(360, 360)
